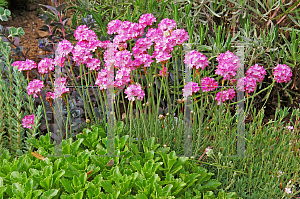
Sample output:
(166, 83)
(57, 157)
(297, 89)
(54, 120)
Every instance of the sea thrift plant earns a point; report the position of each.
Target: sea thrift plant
(28, 121)
(134, 91)
(83, 33)
(282, 73)
(247, 83)
(227, 95)
(45, 65)
(60, 87)
(34, 87)
(190, 88)
(64, 48)
(147, 20)
(228, 64)
(208, 84)
(194, 59)
(25, 65)
(256, 72)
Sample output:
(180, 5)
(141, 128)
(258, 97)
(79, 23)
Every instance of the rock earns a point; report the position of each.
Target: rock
(42, 34)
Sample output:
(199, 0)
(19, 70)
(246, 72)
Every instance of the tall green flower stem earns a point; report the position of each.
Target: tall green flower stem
(67, 103)
(255, 94)
(131, 118)
(44, 112)
(88, 106)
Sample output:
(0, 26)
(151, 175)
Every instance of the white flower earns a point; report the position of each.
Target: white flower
(208, 151)
(290, 127)
(288, 190)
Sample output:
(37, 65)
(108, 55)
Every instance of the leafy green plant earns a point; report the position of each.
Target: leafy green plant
(82, 173)
(3, 3)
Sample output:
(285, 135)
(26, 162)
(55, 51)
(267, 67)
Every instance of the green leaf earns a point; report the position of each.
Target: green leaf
(18, 189)
(49, 194)
(67, 185)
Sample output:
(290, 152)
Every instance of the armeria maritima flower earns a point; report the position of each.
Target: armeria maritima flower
(190, 88)
(134, 91)
(208, 84)
(28, 121)
(227, 95)
(282, 73)
(34, 87)
(194, 59)
(45, 65)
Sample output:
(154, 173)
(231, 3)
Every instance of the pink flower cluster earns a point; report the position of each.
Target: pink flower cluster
(282, 73)
(83, 33)
(64, 48)
(133, 91)
(256, 72)
(208, 84)
(227, 95)
(34, 87)
(45, 65)
(194, 59)
(190, 88)
(248, 82)
(103, 76)
(228, 64)
(28, 121)
(25, 65)
(60, 87)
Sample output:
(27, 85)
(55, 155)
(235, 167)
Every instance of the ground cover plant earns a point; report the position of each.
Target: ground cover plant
(144, 61)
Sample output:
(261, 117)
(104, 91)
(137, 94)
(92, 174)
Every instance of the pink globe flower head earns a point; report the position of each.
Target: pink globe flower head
(113, 26)
(93, 64)
(167, 24)
(208, 84)
(84, 33)
(60, 87)
(124, 27)
(105, 79)
(147, 20)
(104, 44)
(141, 46)
(45, 65)
(81, 53)
(246, 82)
(282, 73)
(34, 87)
(164, 45)
(27, 65)
(228, 64)
(64, 47)
(143, 59)
(161, 56)
(227, 95)
(190, 88)
(122, 77)
(154, 34)
(18, 64)
(60, 61)
(134, 91)
(123, 59)
(93, 45)
(179, 36)
(227, 71)
(195, 59)
(256, 72)
(28, 121)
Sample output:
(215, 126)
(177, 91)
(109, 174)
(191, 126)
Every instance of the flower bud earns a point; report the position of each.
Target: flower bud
(88, 121)
(161, 117)
(179, 101)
